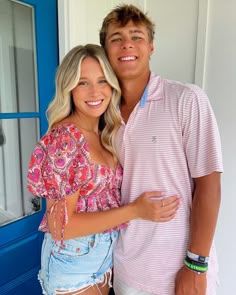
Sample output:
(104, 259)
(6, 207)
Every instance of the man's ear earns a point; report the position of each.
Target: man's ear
(151, 45)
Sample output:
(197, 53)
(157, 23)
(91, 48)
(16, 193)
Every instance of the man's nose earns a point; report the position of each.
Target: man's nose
(126, 43)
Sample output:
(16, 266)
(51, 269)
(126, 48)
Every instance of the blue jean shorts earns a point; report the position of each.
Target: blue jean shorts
(77, 264)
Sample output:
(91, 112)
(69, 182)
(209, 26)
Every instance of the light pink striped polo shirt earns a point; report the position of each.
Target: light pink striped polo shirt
(166, 142)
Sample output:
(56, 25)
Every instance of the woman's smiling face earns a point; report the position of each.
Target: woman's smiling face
(92, 95)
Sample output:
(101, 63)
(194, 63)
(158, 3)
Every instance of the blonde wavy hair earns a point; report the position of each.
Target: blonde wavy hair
(67, 78)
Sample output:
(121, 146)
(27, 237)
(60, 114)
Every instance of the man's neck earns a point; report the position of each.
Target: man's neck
(132, 91)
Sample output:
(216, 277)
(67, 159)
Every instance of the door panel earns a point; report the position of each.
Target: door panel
(28, 62)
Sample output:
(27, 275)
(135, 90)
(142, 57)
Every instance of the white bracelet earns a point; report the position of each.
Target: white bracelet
(199, 258)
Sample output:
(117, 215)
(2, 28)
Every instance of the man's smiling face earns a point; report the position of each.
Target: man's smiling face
(128, 49)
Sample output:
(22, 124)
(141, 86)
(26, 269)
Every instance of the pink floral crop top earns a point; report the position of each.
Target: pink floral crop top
(60, 165)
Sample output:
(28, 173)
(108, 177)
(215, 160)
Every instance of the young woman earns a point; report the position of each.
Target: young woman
(74, 167)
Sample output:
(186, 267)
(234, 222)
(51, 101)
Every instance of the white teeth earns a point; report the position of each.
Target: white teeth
(128, 58)
(94, 103)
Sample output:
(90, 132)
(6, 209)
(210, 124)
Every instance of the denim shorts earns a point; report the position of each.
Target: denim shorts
(77, 264)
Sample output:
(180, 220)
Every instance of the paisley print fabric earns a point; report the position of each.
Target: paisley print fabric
(60, 165)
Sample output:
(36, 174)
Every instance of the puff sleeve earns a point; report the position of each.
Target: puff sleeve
(58, 167)
(59, 163)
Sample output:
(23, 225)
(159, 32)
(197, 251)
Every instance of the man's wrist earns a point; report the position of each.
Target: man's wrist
(194, 272)
(195, 266)
(196, 263)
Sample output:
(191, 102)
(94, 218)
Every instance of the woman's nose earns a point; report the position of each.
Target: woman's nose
(93, 89)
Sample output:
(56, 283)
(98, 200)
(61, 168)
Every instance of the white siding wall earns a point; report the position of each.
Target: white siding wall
(219, 83)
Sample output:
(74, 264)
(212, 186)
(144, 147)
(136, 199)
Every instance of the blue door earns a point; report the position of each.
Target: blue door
(28, 62)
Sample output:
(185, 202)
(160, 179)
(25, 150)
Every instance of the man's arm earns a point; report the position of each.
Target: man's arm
(205, 209)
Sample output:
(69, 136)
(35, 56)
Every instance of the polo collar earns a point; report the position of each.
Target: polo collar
(144, 96)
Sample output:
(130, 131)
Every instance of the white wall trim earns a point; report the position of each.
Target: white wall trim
(64, 24)
(201, 42)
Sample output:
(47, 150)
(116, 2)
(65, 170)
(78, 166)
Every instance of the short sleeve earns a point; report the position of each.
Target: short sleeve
(59, 164)
(201, 136)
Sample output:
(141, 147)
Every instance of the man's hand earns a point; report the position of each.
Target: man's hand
(190, 283)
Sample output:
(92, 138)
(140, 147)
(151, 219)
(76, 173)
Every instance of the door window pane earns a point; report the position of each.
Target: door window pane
(17, 58)
(18, 138)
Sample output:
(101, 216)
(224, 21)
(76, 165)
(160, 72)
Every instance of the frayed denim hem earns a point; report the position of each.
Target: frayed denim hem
(42, 286)
(106, 278)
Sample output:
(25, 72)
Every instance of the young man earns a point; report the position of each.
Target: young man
(168, 141)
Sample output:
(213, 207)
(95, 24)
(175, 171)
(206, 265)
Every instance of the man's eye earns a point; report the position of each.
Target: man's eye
(136, 38)
(116, 40)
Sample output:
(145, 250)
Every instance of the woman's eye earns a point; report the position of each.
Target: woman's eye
(82, 83)
(103, 81)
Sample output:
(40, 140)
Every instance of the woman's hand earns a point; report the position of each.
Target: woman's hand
(154, 207)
